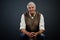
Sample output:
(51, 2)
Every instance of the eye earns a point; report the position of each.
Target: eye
(29, 7)
(32, 7)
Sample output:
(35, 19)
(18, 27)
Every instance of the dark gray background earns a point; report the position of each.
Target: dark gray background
(11, 11)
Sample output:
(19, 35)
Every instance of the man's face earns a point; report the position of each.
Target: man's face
(31, 8)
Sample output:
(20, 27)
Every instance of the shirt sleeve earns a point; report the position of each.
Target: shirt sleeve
(41, 24)
(22, 23)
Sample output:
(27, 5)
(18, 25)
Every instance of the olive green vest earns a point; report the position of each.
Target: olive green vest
(32, 25)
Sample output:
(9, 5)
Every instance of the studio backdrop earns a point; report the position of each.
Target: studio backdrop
(11, 11)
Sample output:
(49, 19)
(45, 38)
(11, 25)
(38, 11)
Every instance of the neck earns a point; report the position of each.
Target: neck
(32, 14)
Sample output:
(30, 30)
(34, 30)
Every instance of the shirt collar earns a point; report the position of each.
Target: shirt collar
(31, 16)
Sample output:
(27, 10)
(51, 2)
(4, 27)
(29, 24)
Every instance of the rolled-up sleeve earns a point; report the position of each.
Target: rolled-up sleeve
(22, 23)
(41, 24)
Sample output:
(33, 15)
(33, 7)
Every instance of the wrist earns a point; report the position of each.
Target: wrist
(27, 33)
(38, 33)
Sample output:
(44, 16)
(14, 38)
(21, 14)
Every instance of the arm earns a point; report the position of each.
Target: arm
(23, 26)
(41, 26)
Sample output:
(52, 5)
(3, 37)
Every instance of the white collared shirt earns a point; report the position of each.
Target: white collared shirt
(23, 24)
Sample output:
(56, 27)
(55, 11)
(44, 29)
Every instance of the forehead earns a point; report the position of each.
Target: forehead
(31, 5)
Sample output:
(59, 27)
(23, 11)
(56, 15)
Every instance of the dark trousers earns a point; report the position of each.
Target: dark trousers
(25, 37)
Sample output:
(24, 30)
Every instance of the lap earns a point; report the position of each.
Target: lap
(25, 37)
(41, 37)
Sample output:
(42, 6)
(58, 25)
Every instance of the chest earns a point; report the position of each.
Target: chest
(32, 20)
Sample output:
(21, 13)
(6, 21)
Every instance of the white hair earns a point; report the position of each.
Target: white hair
(31, 3)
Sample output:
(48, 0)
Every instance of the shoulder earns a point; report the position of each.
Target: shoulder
(39, 13)
(24, 14)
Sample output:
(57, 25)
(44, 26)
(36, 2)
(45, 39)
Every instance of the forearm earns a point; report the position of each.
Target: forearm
(24, 31)
(40, 31)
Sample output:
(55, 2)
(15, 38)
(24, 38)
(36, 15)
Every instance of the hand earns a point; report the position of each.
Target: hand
(30, 34)
(35, 34)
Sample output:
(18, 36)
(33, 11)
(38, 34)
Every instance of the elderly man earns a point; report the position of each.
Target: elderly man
(32, 24)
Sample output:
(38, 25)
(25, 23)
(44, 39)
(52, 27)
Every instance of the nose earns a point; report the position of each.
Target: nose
(31, 8)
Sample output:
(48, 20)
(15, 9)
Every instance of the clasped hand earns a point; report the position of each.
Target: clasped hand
(32, 34)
